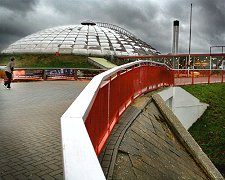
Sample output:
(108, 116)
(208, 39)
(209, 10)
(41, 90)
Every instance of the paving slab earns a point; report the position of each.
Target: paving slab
(147, 148)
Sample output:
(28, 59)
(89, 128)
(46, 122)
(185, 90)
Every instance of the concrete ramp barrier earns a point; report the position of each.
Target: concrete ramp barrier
(185, 106)
(187, 140)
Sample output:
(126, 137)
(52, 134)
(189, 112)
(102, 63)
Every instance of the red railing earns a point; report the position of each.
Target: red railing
(198, 76)
(120, 89)
(117, 92)
(88, 122)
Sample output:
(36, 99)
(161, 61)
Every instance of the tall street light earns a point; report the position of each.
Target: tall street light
(189, 49)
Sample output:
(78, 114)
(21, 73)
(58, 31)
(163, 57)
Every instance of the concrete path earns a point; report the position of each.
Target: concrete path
(101, 62)
(142, 146)
(30, 137)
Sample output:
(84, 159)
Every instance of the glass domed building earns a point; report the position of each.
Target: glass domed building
(89, 38)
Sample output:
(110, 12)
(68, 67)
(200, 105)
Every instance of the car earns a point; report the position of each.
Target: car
(2, 72)
(195, 73)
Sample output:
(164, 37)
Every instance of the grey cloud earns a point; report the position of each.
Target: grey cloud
(13, 28)
(210, 18)
(13, 22)
(10, 30)
(18, 5)
(149, 20)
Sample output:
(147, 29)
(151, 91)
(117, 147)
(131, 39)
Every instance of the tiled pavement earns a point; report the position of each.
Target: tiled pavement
(30, 137)
(142, 146)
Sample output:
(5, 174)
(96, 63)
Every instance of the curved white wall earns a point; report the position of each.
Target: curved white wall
(185, 106)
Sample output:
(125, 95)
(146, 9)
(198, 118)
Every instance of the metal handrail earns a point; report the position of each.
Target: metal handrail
(92, 88)
(80, 160)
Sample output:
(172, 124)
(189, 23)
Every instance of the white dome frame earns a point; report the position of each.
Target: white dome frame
(89, 38)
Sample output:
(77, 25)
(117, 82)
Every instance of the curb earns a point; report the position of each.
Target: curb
(187, 140)
(115, 151)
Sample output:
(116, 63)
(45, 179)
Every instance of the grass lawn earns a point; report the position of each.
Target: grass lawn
(47, 61)
(209, 130)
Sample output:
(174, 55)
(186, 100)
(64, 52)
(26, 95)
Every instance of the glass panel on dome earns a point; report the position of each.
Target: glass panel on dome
(16, 46)
(93, 40)
(116, 45)
(61, 36)
(105, 44)
(78, 46)
(41, 45)
(82, 36)
(69, 39)
(103, 37)
(53, 45)
(80, 40)
(45, 42)
(35, 42)
(92, 37)
(93, 43)
(65, 46)
(110, 35)
(79, 51)
(94, 52)
(84, 28)
(68, 42)
(114, 41)
(71, 36)
(39, 39)
(31, 46)
(57, 42)
(80, 43)
(106, 48)
(104, 41)
(49, 39)
(59, 39)
(128, 46)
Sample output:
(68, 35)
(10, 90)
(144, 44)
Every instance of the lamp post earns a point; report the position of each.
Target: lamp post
(189, 49)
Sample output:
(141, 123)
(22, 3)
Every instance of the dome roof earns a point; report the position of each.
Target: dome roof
(89, 38)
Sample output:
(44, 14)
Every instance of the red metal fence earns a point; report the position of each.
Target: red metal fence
(102, 102)
(117, 92)
(198, 76)
(121, 88)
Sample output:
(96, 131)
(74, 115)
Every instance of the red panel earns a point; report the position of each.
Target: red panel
(116, 94)
(97, 120)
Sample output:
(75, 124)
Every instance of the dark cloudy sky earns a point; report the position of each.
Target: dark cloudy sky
(149, 20)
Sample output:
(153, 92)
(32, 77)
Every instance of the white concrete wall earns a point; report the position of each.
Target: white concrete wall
(185, 106)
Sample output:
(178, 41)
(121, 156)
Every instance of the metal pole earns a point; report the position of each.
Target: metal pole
(189, 50)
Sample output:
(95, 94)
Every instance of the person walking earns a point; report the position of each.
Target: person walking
(9, 72)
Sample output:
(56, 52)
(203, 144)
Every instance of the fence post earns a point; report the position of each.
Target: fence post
(44, 75)
(222, 75)
(108, 128)
(209, 74)
(192, 77)
(75, 74)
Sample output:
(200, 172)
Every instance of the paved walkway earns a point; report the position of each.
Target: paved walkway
(101, 62)
(30, 139)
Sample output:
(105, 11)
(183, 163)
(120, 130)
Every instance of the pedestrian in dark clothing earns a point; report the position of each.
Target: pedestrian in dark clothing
(9, 72)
